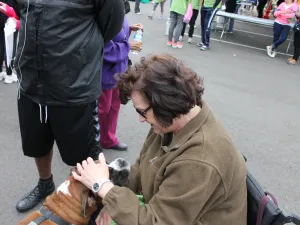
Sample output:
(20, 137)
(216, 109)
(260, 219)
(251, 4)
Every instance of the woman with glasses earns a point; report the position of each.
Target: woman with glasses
(189, 171)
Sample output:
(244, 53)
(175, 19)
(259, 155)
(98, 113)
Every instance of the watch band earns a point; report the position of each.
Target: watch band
(103, 182)
(100, 184)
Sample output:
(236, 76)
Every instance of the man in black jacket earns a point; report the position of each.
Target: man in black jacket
(58, 62)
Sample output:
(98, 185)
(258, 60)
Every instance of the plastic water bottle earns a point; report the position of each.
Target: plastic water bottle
(168, 26)
(138, 38)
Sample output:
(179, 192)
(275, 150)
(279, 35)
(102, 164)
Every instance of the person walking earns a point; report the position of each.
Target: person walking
(155, 4)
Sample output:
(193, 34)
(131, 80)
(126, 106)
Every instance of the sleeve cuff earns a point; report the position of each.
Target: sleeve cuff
(110, 195)
(18, 25)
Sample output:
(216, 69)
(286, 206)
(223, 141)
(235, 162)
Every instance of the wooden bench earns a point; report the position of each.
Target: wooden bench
(246, 19)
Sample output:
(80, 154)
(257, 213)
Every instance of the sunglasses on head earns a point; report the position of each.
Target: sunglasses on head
(142, 113)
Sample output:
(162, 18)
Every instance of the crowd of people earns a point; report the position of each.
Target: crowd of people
(285, 12)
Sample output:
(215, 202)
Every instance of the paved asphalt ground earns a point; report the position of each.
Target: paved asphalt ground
(255, 97)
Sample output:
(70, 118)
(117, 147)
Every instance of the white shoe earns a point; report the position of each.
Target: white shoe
(190, 40)
(180, 38)
(2, 75)
(273, 54)
(204, 48)
(269, 51)
(11, 79)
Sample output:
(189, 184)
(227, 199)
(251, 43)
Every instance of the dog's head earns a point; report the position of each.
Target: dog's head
(118, 173)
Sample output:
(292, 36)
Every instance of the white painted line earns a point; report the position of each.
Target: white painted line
(249, 32)
(246, 46)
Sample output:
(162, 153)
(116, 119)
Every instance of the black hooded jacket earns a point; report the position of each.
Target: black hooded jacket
(60, 49)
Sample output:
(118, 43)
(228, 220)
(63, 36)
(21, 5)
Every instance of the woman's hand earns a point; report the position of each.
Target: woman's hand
(90, 173)
(136, 46)
(2, 7)
(136, 27)
(103, 218)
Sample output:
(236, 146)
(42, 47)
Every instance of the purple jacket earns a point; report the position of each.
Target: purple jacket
(115, 57)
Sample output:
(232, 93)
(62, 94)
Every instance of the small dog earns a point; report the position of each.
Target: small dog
(72, 203)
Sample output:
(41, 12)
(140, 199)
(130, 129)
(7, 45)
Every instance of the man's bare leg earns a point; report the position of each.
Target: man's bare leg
(44, 166)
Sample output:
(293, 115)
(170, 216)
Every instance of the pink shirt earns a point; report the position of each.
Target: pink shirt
(285, 18)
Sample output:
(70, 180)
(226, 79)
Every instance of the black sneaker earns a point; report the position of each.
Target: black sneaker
(42, 190)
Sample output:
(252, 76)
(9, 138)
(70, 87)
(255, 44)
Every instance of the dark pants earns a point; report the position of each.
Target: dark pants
(137, 6)
(281, 33)
(296, 45)
(191, 23)
(205, 33)
(231, 7)
(3, 54)
(260, 8)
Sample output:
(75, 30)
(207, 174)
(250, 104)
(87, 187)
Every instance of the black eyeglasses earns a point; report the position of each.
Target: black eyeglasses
(142, 113)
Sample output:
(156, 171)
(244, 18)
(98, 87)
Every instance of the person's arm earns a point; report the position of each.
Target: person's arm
(217, 2)
(175, 201)
(278, 11)
(110, 17)
(116, 51)
(10, 12)
(291, 13)
(16, 9)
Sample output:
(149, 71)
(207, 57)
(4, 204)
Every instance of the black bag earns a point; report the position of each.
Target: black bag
(263, 208)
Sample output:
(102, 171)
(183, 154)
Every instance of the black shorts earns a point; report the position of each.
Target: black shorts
(75, 130)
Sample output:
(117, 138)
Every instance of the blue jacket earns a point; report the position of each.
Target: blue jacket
(115, 57)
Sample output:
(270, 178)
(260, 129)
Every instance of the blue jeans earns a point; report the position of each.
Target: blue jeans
(231, 22)
(281, 33)
(205, 33)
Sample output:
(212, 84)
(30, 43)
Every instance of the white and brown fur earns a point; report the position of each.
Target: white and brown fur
(75, 203)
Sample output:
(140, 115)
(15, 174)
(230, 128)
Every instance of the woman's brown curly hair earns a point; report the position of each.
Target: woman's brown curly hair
(171, 88)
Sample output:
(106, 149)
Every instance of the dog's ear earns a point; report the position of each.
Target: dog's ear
(74, 169)
(87, 200)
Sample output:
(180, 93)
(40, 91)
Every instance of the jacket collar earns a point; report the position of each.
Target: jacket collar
(187, 131)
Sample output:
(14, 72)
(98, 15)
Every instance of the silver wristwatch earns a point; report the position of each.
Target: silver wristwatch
(97, 186)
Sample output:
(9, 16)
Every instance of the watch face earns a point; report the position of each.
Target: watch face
(96, 187)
